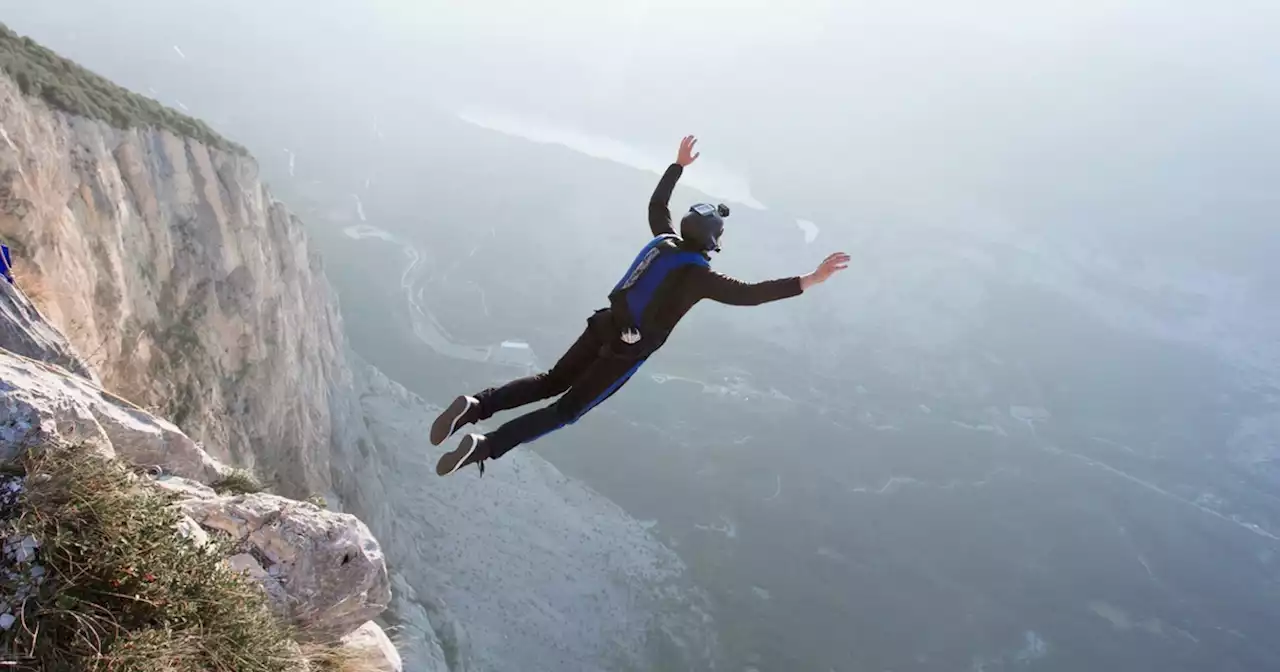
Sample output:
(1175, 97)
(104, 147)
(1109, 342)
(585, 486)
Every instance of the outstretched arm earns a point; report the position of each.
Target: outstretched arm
(659, 214)
(724, 289)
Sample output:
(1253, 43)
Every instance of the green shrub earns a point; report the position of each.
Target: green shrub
(63, 84)
(238, 482)
(319, 501)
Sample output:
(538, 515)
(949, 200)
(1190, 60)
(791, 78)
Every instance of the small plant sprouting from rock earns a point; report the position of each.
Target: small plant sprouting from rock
(122, 590)
(238, 482)
(319, 501)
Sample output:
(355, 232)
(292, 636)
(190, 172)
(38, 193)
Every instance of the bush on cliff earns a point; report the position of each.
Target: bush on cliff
(67, 86)
(121, 590)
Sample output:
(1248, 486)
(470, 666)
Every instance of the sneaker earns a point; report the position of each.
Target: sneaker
(463, 411)
(471, 450)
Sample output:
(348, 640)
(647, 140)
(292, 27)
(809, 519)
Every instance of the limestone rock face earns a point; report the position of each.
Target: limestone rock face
(324, 569)
(369, 643)
(185, 488)
(23, 331)
(171, 269)
(39, 402)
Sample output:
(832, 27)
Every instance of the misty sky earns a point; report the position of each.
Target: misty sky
(1152, 122)
(1140, 119)
(974, 96)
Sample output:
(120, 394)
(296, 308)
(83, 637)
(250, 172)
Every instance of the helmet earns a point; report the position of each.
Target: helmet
(703, 225)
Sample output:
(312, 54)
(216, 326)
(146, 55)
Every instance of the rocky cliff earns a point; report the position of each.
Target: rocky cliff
(185, 288)
(544, 573)
(72, 519)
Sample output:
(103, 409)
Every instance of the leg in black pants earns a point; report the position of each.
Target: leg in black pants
(585, 378)
(576, 360)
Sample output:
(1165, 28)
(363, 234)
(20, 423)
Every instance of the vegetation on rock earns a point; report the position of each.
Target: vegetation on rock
(121, 590)
(124, 591)
(238, 482)
(67, 86)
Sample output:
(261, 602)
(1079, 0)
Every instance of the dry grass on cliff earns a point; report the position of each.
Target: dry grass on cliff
(330, 658)
(238, 482)
(124, 591)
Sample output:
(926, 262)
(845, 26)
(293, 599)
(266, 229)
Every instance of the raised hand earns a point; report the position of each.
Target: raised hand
(686, 155)
(835, 262)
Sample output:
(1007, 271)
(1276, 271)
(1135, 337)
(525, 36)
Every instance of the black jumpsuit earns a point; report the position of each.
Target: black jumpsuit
(586, 374)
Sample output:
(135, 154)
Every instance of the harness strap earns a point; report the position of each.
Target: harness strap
(634, 293)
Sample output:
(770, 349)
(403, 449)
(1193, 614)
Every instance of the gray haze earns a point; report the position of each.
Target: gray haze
(1036, 425)
(1144, 121)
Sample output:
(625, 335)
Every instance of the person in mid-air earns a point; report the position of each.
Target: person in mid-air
(667, 278)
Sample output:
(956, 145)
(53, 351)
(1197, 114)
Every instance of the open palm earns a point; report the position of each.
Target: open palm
(686, 155)
(837, 261)
(834, 263)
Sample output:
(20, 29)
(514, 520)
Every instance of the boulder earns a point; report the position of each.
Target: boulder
(40, 402)
(185, 487)
(369, 644)
(324, 570)
(191, 530)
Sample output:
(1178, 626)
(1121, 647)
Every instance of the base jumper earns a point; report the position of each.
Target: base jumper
(669, 275)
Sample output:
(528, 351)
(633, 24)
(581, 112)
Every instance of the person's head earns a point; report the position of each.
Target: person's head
(702, 227)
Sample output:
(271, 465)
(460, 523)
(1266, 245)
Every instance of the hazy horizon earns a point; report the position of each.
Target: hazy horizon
(1117, 119)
